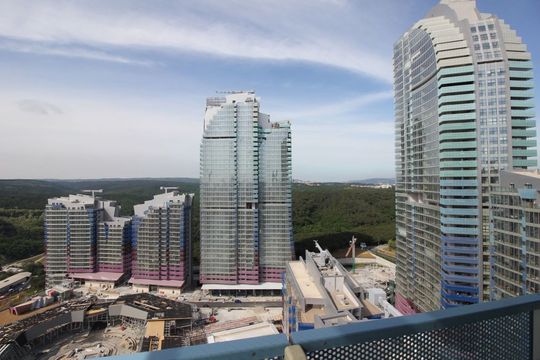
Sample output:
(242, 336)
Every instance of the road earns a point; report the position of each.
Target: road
(18, 263)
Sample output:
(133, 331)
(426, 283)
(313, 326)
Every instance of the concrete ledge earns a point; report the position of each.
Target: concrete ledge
(294, 352)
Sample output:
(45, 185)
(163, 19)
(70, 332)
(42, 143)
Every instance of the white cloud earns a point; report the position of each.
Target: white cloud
(103, 133)
(31, 47)
(81, 138)
(38, 107)
(336, 33)
(340, 107)
(93, 137)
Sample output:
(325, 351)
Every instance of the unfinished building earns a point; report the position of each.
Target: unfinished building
(85, 239)
(320, 292)
(162, 243)
(246, 211)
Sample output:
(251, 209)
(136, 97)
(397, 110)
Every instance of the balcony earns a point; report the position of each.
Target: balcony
(505, 329)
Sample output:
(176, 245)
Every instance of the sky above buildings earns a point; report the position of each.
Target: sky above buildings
(95, 89)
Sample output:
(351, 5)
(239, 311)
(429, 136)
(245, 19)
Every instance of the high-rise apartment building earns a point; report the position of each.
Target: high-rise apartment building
(246, 213)
(463, 108)
(515, 234)
(161, 235)
(86, 240)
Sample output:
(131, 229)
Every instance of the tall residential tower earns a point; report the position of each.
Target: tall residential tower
(86, 240)
(162, 243)
(463, 108)
(246, 214)
(515, 235)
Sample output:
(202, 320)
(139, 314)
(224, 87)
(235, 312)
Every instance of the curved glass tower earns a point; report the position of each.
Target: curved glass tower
(246, 216)
(463, 108)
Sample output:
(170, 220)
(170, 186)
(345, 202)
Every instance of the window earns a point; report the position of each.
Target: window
(491, 26)
(473, 29)
(495, 44)
(485, 46)
(482, 28)
(493, 35)
(475, 37)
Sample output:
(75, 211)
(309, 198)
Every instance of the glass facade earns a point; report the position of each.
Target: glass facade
(246, 223)
(417, 182)
(515, 236)
(462, 90)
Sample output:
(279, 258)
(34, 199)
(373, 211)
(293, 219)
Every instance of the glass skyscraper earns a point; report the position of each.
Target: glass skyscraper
(463, 108)
(246, 212)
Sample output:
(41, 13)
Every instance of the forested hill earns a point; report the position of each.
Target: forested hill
(331, 213)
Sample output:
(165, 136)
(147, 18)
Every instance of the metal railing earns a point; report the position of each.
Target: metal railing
(505, 329)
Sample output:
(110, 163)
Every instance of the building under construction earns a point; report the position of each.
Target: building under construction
(85, 239)
(246, 210)
(162, 243)
(151, 322)
(320, 292)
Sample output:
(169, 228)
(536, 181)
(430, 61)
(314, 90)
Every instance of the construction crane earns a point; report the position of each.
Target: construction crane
(318, 246)
(167, 188)
(352, 247)
(93, 192)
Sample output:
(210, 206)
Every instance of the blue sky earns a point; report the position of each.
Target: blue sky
(94, 89)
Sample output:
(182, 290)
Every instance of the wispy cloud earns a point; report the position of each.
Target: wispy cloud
(335, 33)
(38, 107)
(33, 47)
(340, 107)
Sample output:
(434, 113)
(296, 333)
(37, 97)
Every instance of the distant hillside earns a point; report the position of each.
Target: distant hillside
(389, 181)
(329, 212)
(33, 194)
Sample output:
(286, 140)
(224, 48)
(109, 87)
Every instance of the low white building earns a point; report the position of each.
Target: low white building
(320, 292)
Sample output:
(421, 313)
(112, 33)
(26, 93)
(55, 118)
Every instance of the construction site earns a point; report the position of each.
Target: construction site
(120, 322)
(87, 327)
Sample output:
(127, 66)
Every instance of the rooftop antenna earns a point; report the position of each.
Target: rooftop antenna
(352, 247)
(93, 192)
(167, 188)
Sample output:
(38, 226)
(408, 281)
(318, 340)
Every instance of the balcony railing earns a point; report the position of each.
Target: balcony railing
(505, 329)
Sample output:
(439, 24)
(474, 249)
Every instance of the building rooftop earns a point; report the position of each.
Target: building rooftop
(14, 279)
(97, 276)
(165, 283)
(160, 201)
(261, 286)
(245, 332)
(76, 200)
(304, 281)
